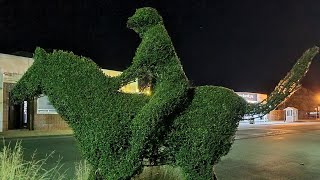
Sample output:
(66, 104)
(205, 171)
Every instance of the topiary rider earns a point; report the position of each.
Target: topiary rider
(155, 57)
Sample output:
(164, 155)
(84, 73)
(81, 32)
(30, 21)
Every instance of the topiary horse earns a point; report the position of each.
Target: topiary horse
(194, 136)
(100, 115)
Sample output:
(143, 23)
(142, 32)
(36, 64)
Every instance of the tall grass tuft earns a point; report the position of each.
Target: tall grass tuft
(83, 169)
(14, 167)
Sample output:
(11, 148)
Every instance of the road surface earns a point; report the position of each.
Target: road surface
(290, 151)
(282, 151)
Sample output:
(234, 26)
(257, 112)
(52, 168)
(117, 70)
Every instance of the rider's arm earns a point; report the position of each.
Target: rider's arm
(137, 69)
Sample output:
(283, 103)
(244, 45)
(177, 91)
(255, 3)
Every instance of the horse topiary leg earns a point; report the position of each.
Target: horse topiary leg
(196, 159)
(197, 170)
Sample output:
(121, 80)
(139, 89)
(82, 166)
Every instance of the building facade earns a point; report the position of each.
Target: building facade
(254, 98)
(41, 115)
(305, 101)
(33, 115)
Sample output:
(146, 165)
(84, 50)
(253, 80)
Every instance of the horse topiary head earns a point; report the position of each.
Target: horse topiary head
(143, 19)
(30, 85)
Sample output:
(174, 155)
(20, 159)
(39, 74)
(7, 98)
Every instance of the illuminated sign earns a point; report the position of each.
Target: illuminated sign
(250, 97)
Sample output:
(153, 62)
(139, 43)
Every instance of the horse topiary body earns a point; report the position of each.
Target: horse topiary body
(100, 116)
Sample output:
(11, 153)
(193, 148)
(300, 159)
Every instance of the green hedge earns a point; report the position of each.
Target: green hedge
(286, 87)
(177, 124)
(154, 57)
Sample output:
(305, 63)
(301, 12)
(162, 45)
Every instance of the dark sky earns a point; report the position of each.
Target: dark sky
(245, 45)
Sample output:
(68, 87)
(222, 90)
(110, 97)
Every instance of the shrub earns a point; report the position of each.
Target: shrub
(178, 125)
(83, 170)
(195, 136)
(286, 87)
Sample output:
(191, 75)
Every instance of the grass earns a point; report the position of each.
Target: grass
(13, 166)
(37, 133)
(83, 169)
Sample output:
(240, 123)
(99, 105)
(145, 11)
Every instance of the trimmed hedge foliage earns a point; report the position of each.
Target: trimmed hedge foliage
(154, 57)
(286, 87)
(177, 124)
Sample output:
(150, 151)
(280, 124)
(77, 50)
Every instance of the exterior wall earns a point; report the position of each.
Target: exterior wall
(1, 102)
(305, 100)
(307, 114)
(48, 121)
(12, 69)
(253, 98)
(130, 88)
(276, 115)
(14, 64)
(6, 89)
(261, 97)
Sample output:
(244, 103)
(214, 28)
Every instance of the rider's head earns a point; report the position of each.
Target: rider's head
(143, 19)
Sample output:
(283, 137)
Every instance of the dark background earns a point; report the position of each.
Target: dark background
(245, 45)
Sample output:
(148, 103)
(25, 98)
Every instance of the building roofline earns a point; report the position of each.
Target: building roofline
(14, 56)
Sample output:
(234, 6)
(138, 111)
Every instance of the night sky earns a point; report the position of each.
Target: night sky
(243, 45)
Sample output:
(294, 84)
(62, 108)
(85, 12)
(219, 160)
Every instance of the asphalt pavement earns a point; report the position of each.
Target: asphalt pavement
(260, 152)
(273, 151)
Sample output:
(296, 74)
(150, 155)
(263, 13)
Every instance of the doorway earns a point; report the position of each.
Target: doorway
(19, 115)
(14, 117)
